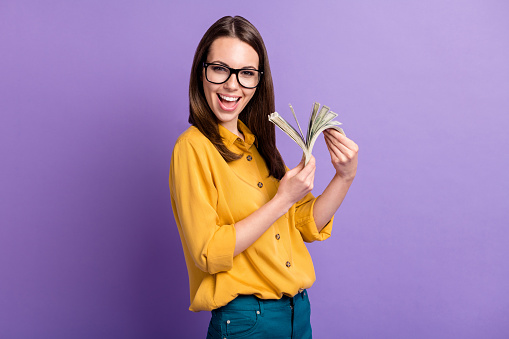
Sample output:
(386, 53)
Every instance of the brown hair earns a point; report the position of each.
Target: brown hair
(254, 115)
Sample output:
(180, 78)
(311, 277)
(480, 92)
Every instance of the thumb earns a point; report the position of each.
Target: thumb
(296, 169)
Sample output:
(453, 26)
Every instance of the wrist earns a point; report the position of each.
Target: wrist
(344, 177)
(281, 203)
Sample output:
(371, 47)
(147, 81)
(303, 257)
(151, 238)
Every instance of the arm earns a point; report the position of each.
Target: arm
(343, 153)
(296, 183)
(194, 200)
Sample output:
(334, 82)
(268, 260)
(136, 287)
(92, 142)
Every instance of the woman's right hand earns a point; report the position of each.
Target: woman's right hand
(297, 182)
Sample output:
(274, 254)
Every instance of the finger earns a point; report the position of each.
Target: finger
(337, 146)
(310, 181)
(335, 152)
(350, 144)
(337, 155)
(310, 178)
(310, 167)
(330, 147)
(312, 160)
(303, 158)
(296, 169)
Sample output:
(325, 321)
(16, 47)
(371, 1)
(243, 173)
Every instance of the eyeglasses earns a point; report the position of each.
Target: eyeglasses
(219, 74)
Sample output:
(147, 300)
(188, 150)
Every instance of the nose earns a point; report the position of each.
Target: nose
(232, 83)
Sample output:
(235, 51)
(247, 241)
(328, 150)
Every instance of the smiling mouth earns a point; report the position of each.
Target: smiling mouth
(228, 103)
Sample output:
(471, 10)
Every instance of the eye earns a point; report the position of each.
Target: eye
(248, 73)
(219, 69)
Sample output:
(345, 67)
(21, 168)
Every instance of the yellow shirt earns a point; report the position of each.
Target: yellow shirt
(208, 196)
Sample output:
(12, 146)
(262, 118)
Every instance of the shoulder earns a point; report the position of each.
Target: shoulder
(192, 135)
(193, 146)
(192, 138)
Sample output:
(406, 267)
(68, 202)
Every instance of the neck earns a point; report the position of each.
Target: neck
(232, 127)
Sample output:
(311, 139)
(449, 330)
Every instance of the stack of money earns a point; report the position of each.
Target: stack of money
(319, 121)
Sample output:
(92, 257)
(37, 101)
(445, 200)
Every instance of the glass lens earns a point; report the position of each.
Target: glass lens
(217, 74)
(248, 77)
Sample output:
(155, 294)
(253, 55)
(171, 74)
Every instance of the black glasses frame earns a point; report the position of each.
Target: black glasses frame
(232, 71)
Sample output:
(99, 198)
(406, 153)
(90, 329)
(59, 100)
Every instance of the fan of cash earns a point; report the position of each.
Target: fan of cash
(320, 120)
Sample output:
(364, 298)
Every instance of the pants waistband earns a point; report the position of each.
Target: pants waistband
(251, 302)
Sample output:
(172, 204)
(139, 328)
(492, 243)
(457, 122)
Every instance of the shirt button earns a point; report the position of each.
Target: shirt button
(227, 321)
(277, 236)
(288, 264)
(249, 158)
(260, 185)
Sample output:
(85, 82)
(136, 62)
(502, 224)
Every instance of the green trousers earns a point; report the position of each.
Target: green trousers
(249, 317)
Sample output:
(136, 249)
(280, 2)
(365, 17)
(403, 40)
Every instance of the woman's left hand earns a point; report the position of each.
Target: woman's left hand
(343, 152)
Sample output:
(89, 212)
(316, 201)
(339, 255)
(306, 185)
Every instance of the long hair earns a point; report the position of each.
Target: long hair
(254, 115)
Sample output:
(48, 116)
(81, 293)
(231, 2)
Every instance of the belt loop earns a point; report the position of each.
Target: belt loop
(260, 304)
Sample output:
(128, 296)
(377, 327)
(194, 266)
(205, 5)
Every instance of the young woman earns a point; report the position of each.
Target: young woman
(241, 215)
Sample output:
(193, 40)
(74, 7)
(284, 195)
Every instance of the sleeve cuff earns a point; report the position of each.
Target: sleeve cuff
(220, 250)
(307, 226)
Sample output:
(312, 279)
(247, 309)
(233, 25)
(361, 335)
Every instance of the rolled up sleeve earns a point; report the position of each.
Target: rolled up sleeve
(194, 200)
(305, 222)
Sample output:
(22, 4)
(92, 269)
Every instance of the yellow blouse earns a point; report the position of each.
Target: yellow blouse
(208, 196)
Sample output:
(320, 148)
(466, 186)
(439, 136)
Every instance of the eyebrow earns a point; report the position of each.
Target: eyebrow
(225, 64)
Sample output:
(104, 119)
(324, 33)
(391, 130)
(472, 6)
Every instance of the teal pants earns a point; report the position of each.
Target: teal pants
(249, 317)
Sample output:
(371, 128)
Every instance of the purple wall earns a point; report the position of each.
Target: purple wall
(94, 94)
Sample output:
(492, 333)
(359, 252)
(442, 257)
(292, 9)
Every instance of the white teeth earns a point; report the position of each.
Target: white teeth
(228, 98)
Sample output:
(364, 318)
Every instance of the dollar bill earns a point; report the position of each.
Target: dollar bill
(319, 120)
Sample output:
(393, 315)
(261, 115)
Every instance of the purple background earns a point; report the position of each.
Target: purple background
(94, 94)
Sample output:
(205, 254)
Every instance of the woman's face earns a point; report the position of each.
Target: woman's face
(227, 100)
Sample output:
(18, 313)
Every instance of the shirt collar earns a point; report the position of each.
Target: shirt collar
(229, 138)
